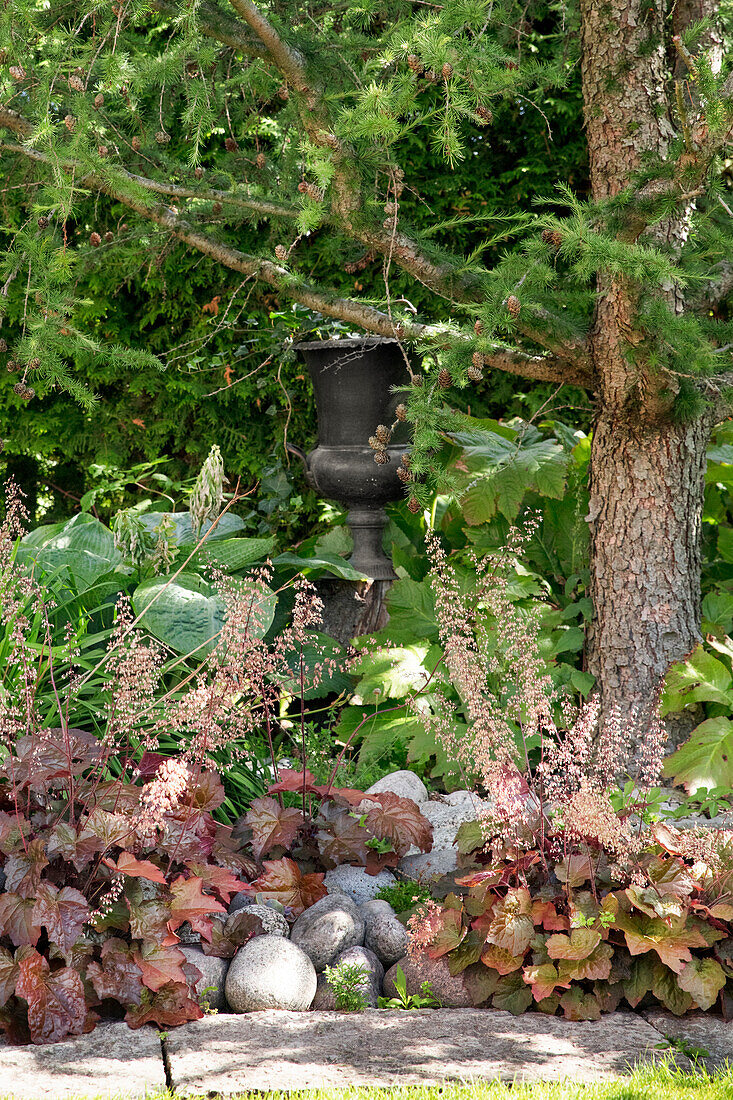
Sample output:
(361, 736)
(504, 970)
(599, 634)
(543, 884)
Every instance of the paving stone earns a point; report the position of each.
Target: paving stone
(700, 1030)
(290, 1050)
(112, 1060)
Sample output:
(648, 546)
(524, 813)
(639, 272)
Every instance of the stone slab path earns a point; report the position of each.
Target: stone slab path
(111, 1061)
(288, 1050)
(230, 1054)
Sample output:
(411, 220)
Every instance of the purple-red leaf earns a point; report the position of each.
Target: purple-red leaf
(117, 976)
(63, 913)
(283, 881)
(272, 825)
(171, 1006)
(56, 1006)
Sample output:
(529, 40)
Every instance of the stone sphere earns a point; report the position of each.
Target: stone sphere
(329, 927)
(270, 972)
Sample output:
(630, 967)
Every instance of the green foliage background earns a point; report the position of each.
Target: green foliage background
(160, 306)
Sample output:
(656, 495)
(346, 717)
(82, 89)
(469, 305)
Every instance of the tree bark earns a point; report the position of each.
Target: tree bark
(646, 492)
(647, 471)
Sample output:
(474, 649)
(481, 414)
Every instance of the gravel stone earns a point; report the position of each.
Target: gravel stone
(329, 927)
(356, 883)
(213, 977)
(405, 783)
(384, 934)
(325, 997)
(270, 972)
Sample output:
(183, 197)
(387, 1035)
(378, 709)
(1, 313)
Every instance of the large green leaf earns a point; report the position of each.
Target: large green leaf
(187, 614)
(230, 555)
(322, 562)
(411, 609)
(183, 532)
(706, 759)
(497, 471)
(700, 679)
(396, 672)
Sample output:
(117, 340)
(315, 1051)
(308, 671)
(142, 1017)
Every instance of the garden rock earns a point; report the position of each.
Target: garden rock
(699, 1031)
(356, 883)
(453, 991)
(325, 997)
(445, 819)
(407, 784)
(384, 934)
(273, 923)
(270, 972)
(210, 986)
(329, 927)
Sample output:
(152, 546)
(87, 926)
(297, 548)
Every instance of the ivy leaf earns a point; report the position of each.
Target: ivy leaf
(399, 820)
(511, 926)
(512, 994)
(63, 913)
(189, 903)
(703, 979)
(543, 979)
(283, 881)
(340, 837)
(136, 868)
(117, 976)
(272, 825)
(170, 1006)
(17, 919)
(23, 871)
(56, 1006)
(577, 1005)
(496, 958)
(159, 965)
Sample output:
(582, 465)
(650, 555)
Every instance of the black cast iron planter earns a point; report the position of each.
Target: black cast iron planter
(353, 379)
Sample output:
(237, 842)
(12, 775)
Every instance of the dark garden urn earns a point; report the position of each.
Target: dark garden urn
(353, 380)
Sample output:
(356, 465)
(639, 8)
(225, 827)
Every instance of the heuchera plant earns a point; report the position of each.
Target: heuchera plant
(568, 904)
(581, 939)
(93, 898)
(330, 827)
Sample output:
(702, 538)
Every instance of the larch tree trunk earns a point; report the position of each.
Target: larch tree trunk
(647, 472)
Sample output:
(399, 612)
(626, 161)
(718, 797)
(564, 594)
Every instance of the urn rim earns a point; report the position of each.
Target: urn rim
(346, 342)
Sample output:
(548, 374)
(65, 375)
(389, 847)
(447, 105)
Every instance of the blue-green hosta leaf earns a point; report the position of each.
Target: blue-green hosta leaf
(81, 532)
(187, 614)
(706, 758)
(71, 556)
(183, 532)
(702, 678)
(231, 555)
(322, 562)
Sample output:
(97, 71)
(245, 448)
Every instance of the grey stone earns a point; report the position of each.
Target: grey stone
(328, 928)
(210, 986)
(451, 990)
(384, 934)
(371, 986)
(356, 883)
(701, 1030)
(446, 818)
(273, 923)
(270, 972)
(407, 784)
(227, 1055)
(112, 1060)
